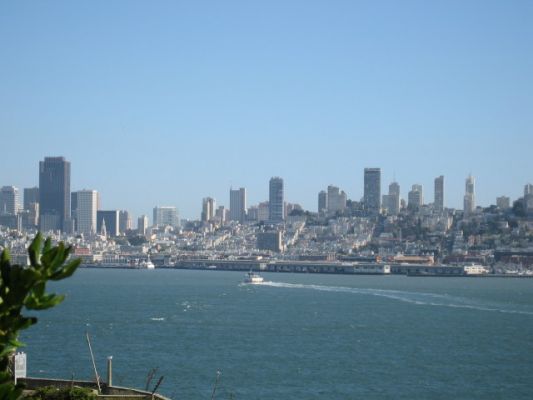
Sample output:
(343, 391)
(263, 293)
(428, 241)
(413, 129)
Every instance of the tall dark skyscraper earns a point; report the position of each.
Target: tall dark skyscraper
(54, 194)
(372, 193)
(322, 201)
(393, 206)
(276, 201)
(111, 219)
(237, 204)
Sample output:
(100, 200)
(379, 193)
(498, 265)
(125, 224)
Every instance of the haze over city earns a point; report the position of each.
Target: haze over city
(167, 104)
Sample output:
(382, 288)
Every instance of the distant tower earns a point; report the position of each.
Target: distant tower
(142, 225)
(263, 211)
(31, 196)
(336, 200)
(166, 216)
(74, 209)
(111, 220)
(237, 205)
(208, 209)
(415, 198)
(372, 191)
(322, 201)
(54, 194)
(276, 202)
(470, 196)
(221, 213)
(503, 202)
(438, 203)
(9, 200)
(86, 208)
(394, 199)
(103, 230)
(124, 221)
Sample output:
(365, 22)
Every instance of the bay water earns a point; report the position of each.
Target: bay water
(298, 336)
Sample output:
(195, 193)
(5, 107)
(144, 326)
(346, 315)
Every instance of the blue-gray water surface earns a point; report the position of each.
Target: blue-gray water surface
(301, 336)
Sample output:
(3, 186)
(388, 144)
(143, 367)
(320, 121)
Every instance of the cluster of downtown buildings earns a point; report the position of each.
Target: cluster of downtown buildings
(52, 207)
(379, 225)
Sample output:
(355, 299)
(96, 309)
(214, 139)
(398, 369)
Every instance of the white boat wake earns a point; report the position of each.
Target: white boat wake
(418, 298)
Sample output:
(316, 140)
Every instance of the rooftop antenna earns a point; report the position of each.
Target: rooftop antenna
(94, 364)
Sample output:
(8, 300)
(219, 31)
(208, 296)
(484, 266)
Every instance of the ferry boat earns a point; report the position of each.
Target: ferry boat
(253, 278)
(147, 264)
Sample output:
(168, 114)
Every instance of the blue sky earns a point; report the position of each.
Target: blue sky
(163, 103)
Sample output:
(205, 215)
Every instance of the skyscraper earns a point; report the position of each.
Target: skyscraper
(415, 198)
(322, 201)
(336, 200)
(372, 191)
(276, 202)
(237, 205)
(54, 194)
(470, 196)
(85, 212)
(142, 225)
(221, 214)
(9, 200)
(503, 202)
(109, 218)
(438, 203)
(31, 195)
(208, 209)
(393, 206)
(124, 221)
(166, 216)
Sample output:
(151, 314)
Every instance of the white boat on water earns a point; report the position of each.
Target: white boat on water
(148, 264)
(253, 278)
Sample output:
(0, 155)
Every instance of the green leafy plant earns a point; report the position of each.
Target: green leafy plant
(24, 288)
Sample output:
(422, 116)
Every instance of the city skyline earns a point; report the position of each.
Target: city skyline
(184, 101)
(208, 205)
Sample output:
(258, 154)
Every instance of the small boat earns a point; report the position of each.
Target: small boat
(148, 264)
(253, 278)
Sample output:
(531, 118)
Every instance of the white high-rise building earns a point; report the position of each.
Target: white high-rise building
(142, 225)
(470, 196)
(86, 211)
(208, 209)
(415, 197)
(221, 214)
(9, 200)
(336, 200)
(503, 202)
(166, 216)
(124, 221)
(263, 211)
